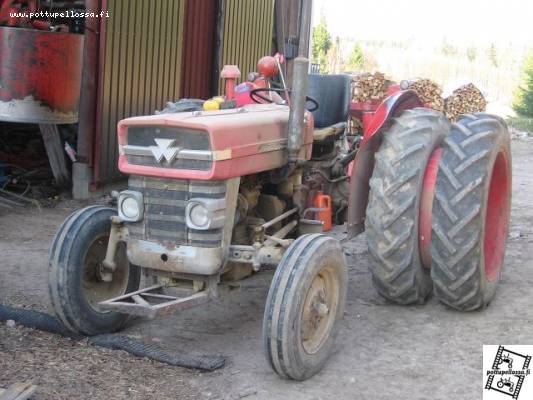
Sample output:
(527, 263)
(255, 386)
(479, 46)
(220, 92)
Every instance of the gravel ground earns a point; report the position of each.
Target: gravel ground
(384, 351)
(65, 369)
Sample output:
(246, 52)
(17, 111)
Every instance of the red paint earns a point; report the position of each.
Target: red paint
(349, 170)
(256, 138)
(426, 207)
(268, 67)
(497, 216)
(41, 25)
(45, 65)
(242, 93)
(230, 73)
(16, 6)
(323, 201)
(198, 48)
(391, 107)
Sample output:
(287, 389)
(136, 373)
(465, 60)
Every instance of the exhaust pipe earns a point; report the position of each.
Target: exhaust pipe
(299, 86)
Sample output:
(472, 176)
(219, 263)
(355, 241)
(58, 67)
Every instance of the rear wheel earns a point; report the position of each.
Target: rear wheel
(392, 216)
(304, 307)
(74, 277)
(471, 212)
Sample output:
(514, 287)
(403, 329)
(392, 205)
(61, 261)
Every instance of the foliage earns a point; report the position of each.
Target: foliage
(492, 54)
(521, 123)
(524, 96)
(321, 45)
(471, 54)
(356, 59)
(448, 49)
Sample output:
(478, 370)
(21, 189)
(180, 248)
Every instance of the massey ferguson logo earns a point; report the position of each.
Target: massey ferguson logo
(165, 148)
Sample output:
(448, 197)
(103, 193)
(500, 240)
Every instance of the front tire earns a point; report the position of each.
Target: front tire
(73, 276)
(304, 307)
(471, 212)
(392, 215)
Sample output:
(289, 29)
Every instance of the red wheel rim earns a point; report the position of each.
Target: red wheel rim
(426, 208)
(497, 216)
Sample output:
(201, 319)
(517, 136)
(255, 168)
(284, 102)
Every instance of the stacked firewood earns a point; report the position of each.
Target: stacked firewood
(464, 100)
(368, 87)
(429, 92)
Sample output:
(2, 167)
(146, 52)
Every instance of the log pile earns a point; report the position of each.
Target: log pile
(464, 100)
(368, 87)
(429, 92)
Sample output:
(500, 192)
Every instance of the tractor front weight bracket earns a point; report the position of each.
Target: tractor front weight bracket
(117, 234)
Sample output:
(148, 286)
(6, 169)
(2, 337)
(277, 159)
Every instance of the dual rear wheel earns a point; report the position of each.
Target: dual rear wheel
(439, 208)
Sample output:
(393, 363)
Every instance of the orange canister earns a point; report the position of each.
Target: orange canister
(323, 201)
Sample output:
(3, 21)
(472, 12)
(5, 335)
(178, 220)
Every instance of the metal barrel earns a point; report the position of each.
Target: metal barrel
(40, 75)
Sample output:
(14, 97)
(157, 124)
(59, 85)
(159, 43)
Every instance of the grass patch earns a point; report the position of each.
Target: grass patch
(521, 123)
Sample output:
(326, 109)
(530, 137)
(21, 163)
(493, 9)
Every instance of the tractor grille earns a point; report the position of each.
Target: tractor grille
(177, 148)
(164, 210)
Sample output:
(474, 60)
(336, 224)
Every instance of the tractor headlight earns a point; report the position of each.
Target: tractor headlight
(130, 206)
(199, 215)
(204, 214)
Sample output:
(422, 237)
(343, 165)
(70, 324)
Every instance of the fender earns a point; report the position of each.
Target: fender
(363, 167)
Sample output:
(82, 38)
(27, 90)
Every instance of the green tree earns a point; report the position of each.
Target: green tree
(356, 59)
(471, 54)
(321, 45)
(524, 96)
(447, 48)
(493, 55)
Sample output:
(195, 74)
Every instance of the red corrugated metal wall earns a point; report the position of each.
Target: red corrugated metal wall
(154, 51)
(199, 35)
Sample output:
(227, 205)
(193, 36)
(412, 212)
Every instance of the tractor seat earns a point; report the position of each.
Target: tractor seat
(332, 92)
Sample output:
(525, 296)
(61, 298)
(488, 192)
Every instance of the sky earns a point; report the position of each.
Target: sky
(460, 21)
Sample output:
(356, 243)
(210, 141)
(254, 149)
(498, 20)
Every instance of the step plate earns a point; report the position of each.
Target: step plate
(147, 303)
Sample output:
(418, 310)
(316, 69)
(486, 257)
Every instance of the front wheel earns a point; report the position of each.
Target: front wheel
(74, 276)
(304, 307)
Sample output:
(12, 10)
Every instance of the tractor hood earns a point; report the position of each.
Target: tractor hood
(209, 145)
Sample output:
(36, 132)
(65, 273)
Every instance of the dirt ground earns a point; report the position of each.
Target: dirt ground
(383, 352)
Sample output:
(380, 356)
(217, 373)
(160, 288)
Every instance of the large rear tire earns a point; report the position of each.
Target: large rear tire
(304, 307)
(392, 215)
(73, 279)
(471, 212)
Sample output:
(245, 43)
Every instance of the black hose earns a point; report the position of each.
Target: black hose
(348, 158)
(44, 322)
(139, 349)
(36, 320)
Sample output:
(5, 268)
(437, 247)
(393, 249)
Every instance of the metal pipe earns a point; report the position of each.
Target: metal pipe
(299, 87)
(305, 28)
(279, 218)
(278, 237)
(109, 261)
(284, 231)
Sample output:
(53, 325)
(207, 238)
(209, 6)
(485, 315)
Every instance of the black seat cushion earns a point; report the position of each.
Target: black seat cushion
(332, 92)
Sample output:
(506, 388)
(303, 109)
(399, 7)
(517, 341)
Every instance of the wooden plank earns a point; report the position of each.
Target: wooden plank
(55, 153)
(18, 391)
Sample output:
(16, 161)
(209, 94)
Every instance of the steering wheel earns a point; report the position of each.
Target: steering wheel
(256, 96)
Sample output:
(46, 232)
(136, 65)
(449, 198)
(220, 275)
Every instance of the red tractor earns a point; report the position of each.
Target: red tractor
(215, 196)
